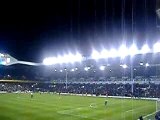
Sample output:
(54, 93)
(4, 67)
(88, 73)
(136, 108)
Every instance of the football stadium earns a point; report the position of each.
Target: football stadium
(75, 87)
(107, 67)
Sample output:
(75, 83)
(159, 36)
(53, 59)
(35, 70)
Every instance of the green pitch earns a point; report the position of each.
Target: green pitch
(54, 107)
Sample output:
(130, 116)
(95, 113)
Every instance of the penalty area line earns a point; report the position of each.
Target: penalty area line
(149, 114)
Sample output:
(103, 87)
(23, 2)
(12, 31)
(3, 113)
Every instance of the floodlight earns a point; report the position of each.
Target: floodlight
(68, 58)
(123, 51)
(156, 47)
(76, 68)
(73, 58)
(89, 68)
(104, 54)
(141, 63)
(78, 57)
(60, 60)
(55, 70)
(49, 61)
(86, 68)
(113, 53)
(145, 49)
(72, 70)
(102, 67)
(124, 66)
(95, 55)
(61, 70)
(147, 65)
(133, 50)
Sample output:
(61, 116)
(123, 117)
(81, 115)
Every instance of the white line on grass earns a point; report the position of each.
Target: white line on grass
(149, 114)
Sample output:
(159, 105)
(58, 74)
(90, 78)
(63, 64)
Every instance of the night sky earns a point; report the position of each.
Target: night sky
(32, 31)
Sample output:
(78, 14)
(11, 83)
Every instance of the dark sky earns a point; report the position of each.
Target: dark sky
(32, 31)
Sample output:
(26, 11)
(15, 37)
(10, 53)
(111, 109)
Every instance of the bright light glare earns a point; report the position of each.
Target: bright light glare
(60, 60)
(95, 55)
(124, 66)
(145, 49)
(61, 70)
(104, 54)
(156, 47)
(1, 55)
(147, 64)
(123, 51)
(102, 67)
(113, 53)
(70, 58)
(87, 68)
(133, 50)
(141, 63)
(49, 61)
(72, 70)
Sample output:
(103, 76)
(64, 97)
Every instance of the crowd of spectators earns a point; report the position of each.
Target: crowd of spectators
(139, 90)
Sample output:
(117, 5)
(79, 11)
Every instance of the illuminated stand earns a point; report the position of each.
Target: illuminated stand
(122, 52)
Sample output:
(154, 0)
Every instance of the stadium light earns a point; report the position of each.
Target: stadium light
(70, 58)
(123, 51)
(145, 49)
(141, 63)
(133, 50)
(124, 66)
(102, 67)
(147, 65)
(156, 47)
(104, 54)
(87, 68)
(49, 61)
(72, 70)
(113, 53)
(60, 60)
(95, 55)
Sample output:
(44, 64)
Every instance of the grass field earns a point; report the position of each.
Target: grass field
(53, 107)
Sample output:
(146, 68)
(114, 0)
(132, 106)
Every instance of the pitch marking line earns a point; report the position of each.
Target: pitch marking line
(149, 114)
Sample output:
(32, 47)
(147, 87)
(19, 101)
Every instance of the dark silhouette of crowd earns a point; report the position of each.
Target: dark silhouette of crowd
(150, 90)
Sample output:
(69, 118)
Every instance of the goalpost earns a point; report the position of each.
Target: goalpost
(151, 116)
(158, 105)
